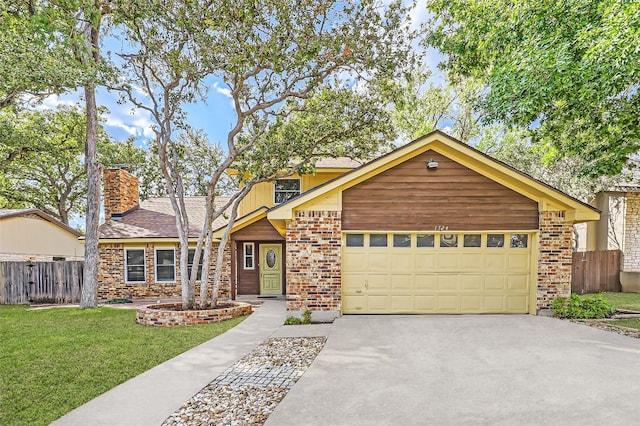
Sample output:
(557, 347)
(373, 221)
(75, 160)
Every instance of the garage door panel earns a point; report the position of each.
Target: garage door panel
(472, 282)
(401, 262)
(378, 303)
(518, 262)
(494, 282)
(402, 304)
(425, 304)
(471, 303)
(424, 282)
(377, 282)
(378, 261)
(402, 283)
(448, 282)
(436, 280)
(518, 282)
(424, 262)
(472, 261)
(517, 303)
(448, 261)
(495, 262)
(494, 303)
(352, 282)
(448, 303)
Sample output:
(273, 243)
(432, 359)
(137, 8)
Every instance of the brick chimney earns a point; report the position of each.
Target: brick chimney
(121, 192)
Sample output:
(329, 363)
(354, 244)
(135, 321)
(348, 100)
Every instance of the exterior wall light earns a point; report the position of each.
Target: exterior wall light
(432, 164)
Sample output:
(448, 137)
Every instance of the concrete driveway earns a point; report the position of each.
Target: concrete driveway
(453, 370)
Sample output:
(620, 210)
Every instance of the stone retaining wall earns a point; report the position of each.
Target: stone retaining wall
(155, 315)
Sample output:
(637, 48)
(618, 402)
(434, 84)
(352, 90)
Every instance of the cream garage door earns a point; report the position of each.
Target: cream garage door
(436, 272)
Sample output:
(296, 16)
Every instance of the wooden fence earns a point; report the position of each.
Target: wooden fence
(595, 271)
(40, 282)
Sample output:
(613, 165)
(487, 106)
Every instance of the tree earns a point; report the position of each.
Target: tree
(54, 179)
(422, 106)
(569, 70)
(288, 66)
(197, 158)
(515, 148)
(50, 47)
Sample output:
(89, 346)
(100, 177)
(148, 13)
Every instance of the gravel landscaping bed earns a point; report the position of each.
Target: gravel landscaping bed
(603, 325)
(247, 392)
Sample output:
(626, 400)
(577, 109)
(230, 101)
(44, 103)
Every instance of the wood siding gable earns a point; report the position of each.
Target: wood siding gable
(411, 197)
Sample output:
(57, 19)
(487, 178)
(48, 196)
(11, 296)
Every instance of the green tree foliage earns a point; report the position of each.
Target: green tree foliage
(53, 177)
(301, 76)
(569, 70)
(422, 106)
(540, 161)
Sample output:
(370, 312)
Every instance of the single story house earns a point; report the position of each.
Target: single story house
(32, 235)
(435, 226)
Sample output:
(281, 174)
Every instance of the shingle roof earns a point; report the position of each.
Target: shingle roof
(338, 163)
(155, 219)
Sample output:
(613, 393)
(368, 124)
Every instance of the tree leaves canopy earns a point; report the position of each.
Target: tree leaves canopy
(569, 70)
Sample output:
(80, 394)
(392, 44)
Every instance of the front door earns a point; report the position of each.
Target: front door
(270, 269)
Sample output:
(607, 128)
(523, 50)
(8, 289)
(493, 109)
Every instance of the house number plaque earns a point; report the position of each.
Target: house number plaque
(441, 227)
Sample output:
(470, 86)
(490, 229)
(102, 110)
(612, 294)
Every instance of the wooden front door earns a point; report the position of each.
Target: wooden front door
(270, 269)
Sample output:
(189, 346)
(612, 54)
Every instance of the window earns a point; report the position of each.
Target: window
(378, 240)
(134, 265)
(355, 240)
(402, 240)
(285, 189)
(519, 241)
(425, 240)
(472, 240)
(448, 240)
(248, 255)
(192, 254)
(495, 240)
(165, 265)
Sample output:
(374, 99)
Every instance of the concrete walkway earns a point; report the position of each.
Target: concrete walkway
(148, 399)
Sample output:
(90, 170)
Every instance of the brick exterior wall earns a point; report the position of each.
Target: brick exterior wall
(314, 261)
(554, 258)
(631, 253)
(121, 192)
(111, 275)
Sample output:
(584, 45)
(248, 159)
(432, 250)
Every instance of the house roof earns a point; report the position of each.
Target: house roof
(548, 197)
(7, 213)
(155, 219)
(338, 163)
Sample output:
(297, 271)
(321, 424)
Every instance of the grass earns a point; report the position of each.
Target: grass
(54, 360)
(631, 323)
(623, 300)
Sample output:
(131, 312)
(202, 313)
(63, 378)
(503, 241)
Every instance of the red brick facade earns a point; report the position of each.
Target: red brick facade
(121, 192)
(314, 261)
(111, 274)
(554, 258)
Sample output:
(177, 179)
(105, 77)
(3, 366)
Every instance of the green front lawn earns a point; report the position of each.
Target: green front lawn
(623, 300)
(631, 323)
(54, 360)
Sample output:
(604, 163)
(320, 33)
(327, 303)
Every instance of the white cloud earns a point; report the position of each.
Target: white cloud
(225, 91)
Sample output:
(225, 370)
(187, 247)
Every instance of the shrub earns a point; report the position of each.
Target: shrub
(306, 316)
(577, 307)
(293, 321)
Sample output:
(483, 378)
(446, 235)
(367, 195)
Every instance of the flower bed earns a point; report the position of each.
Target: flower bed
(172, 315)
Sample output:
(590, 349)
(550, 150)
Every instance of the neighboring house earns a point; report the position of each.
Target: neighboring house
(619, 228)
(435, 226)
(32, 235)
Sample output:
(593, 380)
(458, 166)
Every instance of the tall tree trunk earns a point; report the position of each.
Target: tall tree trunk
(89, 298)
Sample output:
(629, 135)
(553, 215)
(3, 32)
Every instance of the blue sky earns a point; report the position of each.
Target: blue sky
(214, 115)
